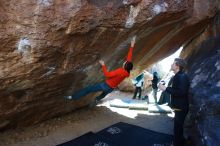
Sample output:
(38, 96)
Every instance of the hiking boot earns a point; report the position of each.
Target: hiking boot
(68, 97)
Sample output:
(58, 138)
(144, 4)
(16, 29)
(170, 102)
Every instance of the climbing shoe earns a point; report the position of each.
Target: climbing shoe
(68, 97)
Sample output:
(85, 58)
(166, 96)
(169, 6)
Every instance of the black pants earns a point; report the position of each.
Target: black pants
(137, 89)
(178, 127)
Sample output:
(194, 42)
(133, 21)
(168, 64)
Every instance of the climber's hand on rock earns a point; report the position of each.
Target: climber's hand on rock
(101, 62)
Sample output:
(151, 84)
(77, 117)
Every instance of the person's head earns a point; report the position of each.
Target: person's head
(178, 65)
(128, 66)
(155, 73)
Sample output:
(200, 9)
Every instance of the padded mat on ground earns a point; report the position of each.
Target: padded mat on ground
(138, 106)
(128, 103)
(124, 134)
(89, 139)
(152, 108)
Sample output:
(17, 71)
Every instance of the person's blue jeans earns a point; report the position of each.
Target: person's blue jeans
(94, 88)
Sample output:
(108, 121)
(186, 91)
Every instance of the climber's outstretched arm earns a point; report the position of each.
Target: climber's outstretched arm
(105, 70)
(129, 57)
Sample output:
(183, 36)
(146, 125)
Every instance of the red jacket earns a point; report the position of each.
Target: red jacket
(115, 77)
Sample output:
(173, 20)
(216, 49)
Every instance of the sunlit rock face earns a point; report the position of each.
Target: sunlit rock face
(204, 71)
(50, 48)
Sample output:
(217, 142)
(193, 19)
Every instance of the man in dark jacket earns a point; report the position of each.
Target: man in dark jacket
(154, 85)
(179, 98)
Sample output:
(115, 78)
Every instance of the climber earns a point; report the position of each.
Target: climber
(113, 79)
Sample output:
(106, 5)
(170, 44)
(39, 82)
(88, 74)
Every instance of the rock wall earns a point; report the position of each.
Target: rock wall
(203, 55)
(50, 48)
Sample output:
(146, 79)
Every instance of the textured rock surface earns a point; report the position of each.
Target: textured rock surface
(50, 48)
(204, 69)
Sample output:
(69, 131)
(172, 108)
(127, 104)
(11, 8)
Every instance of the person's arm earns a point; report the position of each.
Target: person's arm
(105, 71)
(129, 56)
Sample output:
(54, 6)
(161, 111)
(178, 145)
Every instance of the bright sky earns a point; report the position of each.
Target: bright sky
(166, 63)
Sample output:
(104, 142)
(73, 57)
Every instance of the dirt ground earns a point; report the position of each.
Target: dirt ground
(62, 129)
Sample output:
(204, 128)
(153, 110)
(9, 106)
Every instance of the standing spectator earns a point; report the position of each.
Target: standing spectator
(165, 96)
(138, 85)
(179, 98)
(154, 85)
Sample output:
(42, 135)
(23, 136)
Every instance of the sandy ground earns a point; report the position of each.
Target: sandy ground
(62, 129)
